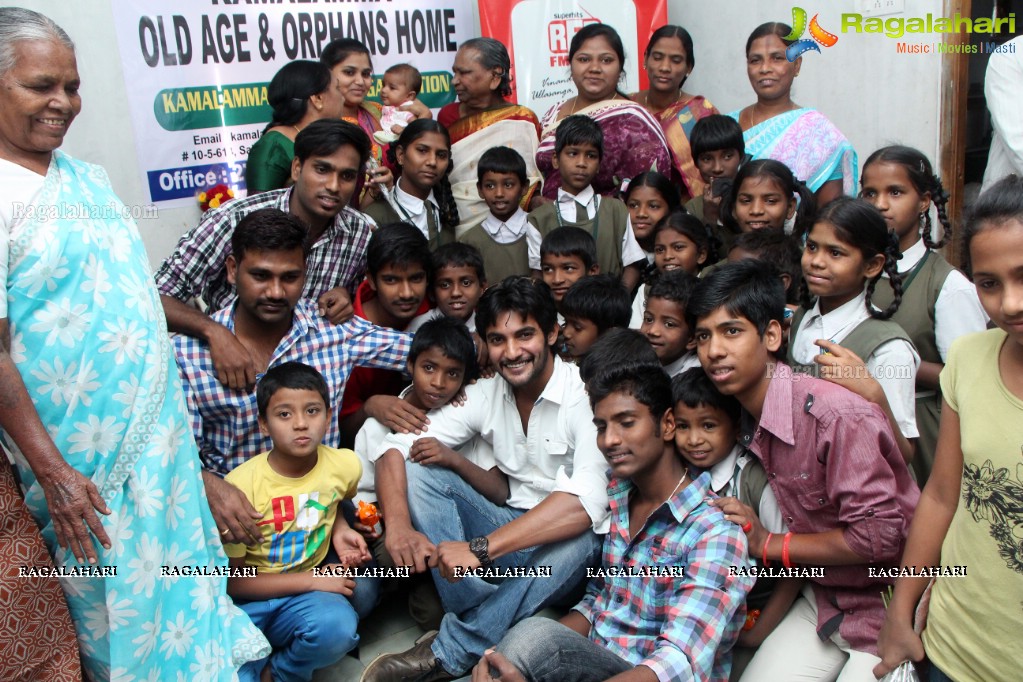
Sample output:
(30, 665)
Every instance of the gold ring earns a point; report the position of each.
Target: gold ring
(225, 531)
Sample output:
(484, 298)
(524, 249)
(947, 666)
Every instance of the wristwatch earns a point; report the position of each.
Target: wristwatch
(478, 546)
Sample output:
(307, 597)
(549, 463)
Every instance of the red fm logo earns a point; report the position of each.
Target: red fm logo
(559, 36)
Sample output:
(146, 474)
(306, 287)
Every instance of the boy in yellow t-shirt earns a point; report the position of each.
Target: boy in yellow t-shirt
(298, 487)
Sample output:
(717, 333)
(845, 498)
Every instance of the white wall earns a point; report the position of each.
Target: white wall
(872, 94)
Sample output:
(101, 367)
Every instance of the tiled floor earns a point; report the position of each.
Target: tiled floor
(389, 630)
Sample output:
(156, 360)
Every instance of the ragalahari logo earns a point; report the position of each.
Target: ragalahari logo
(819, 35)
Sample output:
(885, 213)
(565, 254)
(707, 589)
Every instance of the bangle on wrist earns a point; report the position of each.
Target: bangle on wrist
(767, 541)
(785, 550)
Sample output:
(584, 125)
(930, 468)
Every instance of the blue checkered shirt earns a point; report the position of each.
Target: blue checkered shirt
(224, 421)
(681, 627)
(198, 267)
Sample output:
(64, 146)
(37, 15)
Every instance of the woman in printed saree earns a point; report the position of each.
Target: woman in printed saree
(349, 62)
(481, 119)
(668, 61)
(633, 139)
(775, 127)
(92, 408)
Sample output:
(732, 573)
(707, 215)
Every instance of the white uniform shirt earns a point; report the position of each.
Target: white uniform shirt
(957, 310)
(894, 363)
(632, 252)
(726, 479)
(509, 231)
(413, 209)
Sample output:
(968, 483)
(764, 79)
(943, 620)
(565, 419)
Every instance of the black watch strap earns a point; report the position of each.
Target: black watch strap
(479, 546)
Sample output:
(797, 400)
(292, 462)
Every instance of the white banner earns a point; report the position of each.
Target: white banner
(196, 72)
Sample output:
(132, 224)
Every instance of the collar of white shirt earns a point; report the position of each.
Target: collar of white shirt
(414, 205)
(841, 319)
(586, 198)
(722, 473)
(912, 256)
(556, 388)
(506, 232)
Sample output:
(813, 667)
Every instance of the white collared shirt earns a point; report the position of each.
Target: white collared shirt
(894, 363)
(957, 311)
(632, 252)
(434, 313)
(584, 198)
(506, 232)
(682, 363)
(726, 481)
(557, 453)
(414, 208)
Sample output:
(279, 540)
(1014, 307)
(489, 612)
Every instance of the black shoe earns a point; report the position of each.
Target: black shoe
(418, 664)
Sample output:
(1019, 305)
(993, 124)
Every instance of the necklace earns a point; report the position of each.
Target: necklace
(646, 100)
(297, 129)
(685, 475)
(575, 102)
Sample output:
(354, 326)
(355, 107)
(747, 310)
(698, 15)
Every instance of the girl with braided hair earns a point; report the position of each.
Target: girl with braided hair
(843, 337)
(422, 195)
(939, 303)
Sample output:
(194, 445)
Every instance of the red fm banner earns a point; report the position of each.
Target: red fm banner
(537, 34)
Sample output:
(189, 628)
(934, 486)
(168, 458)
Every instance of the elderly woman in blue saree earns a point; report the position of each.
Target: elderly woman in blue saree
(775, 127)
(92, 410)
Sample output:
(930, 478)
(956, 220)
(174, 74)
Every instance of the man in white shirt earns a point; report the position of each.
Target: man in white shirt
(1003, 90)
(537, 417)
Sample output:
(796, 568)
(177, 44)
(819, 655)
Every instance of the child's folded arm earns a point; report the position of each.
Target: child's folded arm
(785, 592)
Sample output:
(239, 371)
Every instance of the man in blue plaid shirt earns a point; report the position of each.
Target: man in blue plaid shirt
(330, 157)
(273, 323)
(669, 598)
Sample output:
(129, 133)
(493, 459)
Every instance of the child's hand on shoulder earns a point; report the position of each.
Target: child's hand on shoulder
(841, 366)
(431, 452)
(396, 414)
(743, 516)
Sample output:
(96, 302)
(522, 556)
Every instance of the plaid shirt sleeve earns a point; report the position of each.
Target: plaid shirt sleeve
(707, 610)
(368, 345)
(197, 384)
(200, 254)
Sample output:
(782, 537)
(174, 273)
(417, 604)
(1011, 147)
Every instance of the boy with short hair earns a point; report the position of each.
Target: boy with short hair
(706, 427)
(298, 487)
(834, 466)
(459, 280)
(398, 266)
(718, 149)
(441, 361)
(664, 320)
(592, 306)
(578, 149)
(401, 85)
(501, 237)
(673, 627)
(776, 248)
(567, 255)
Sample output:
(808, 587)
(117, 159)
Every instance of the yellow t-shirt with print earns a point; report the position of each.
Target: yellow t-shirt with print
(298, 513)
(975, 620)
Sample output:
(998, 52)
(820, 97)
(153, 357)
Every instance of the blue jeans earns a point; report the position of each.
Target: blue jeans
(938, 676)
(307, 631)
(446, 508)
(544, 650)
